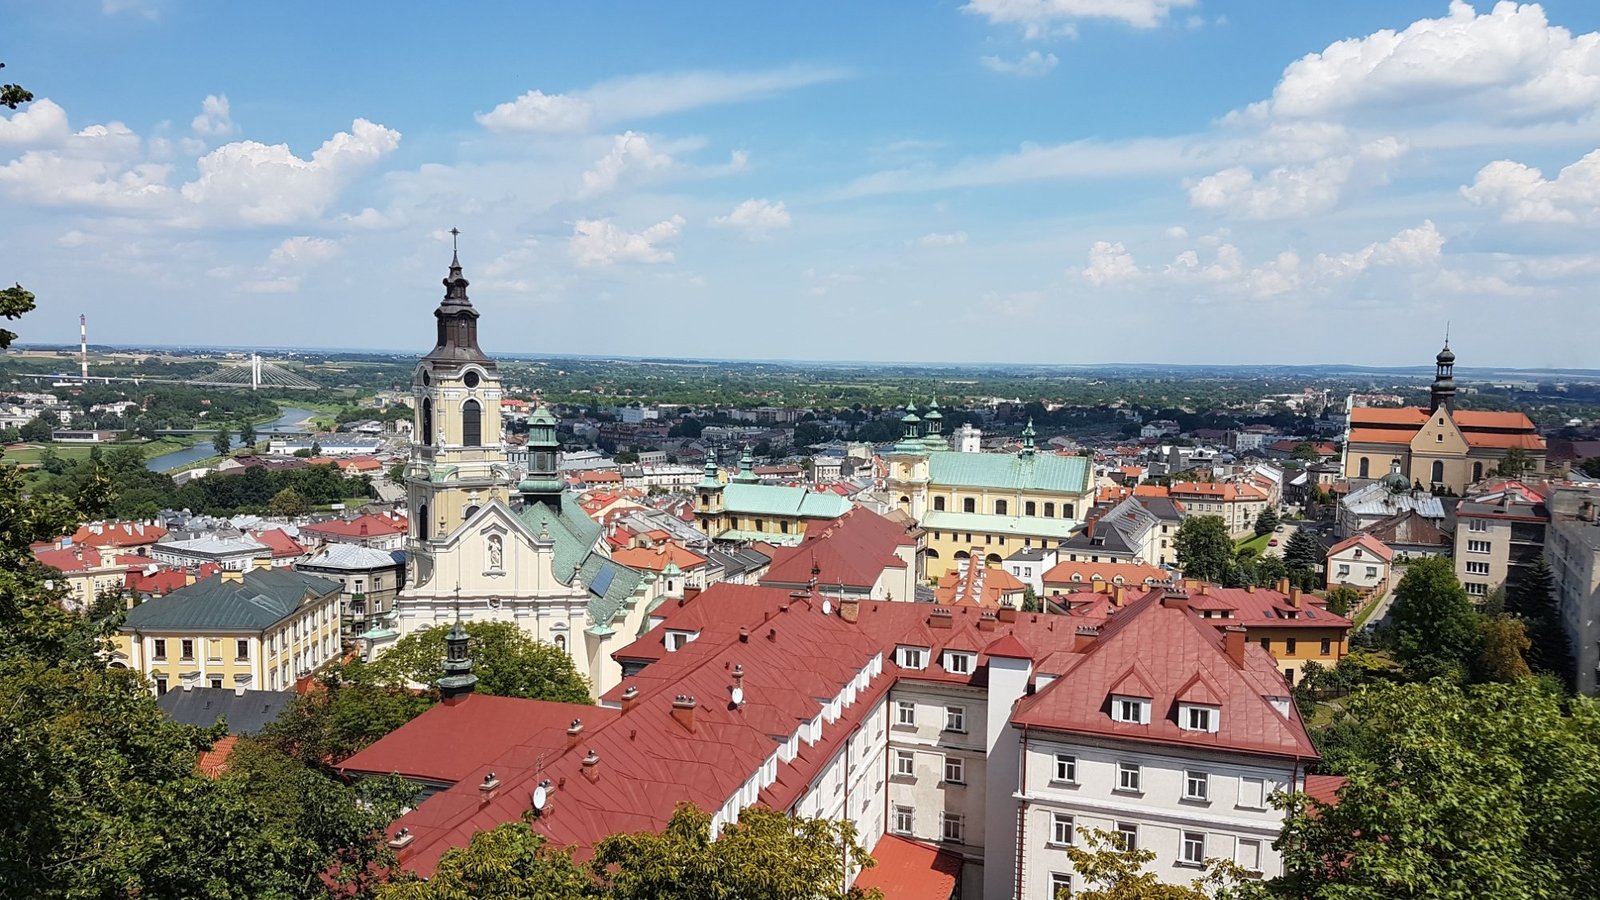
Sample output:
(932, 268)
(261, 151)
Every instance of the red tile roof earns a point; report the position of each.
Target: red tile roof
(654, 559)
(1171, 644)
(1071, 573)
(852, 550)
(282, 545)
(118, 534)
(1371, 544)
(360, 526)
(909, 870)
(990, 587)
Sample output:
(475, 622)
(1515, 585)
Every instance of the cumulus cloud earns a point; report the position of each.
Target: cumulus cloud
(1032, 64)
(1508, 63)
(93, 168)
(214, 119)
(630, 156)
(1043, 18)
(1523, 194)
(598, 242)
(757, 219)
(301, 249)
(40, 123)
(1289, 191)
(1109, 263)
(643, 97)
(937, 239)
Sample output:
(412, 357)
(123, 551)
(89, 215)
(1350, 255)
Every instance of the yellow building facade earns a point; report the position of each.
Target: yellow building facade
(258, 630)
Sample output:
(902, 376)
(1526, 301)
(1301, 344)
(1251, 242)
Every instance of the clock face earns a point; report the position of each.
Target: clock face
(471, 379)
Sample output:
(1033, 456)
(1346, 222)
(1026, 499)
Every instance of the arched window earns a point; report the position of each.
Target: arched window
(938, 504)
(471, 424)
(931, 553)
(1030, 508)
(969, 505)
(1363, 467)
(422, 522)
(905, 502)
(1438, 471)
(427, 421)
(1477, 471)
(992, 559)
(1000, 507)
(471, 511)
(1049, 510)
(962, 554)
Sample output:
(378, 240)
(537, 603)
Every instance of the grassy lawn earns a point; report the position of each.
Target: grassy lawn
(31, 453)
(1259, 544)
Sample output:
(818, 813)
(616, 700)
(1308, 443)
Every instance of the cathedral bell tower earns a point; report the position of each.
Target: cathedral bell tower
(1443, 391)
(458, 460)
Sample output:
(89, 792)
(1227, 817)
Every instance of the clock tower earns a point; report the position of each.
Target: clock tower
(458, 459)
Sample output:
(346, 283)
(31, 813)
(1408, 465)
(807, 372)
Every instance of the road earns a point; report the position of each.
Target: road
(1282, 538)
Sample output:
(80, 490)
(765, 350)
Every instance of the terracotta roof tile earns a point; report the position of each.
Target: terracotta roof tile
(909, 870)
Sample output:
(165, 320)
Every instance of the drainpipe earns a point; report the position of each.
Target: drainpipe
(1022, 815)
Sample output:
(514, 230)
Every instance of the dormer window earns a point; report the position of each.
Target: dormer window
(1194, 717)
(911, 657)
(677, 639)
(1133, 710)
(957, 662)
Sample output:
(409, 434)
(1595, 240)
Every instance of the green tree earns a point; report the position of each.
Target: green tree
(1341, 600)
(39, 429)
(1453, 793)
(511, 862)
(11, 97)
(1204, 549)
(507, 662)
(397, 473)
(1305, 450)
(222, 441)
(1302, 551)
(1515, 464)
(1112, 872)
(1534, 602)
(247, 433)
(1432, 625)
(288, 503)
(1267, 521)
(347, 713)
(316, 449)
(1030, 600)
(1502, 641)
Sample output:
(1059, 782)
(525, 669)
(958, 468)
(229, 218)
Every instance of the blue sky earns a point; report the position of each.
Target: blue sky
(1072, 181)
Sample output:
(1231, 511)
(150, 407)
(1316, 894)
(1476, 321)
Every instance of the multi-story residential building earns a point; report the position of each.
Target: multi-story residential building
(949, 728)
(120, 537)
(370, 579)
(1500, 536)
(1360, 561)
(1029, 565)
(86, 573)
(1572, 546)
(233, 554)
(261, 629)
(1439, 447)
(1370, 504)
(1238, 505)
(861, 555)
(378, 532)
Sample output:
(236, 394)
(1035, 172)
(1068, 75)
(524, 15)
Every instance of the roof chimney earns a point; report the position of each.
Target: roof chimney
(1283, 585)
(850, 610)
(987, 621)
(1119, 595)
(573, 730)
(744, 634)
(591, 765)
(682, 713)
(233, 575)
(1007, 614)
(1085, 638)
(1233, 643)
(940, 618)
(1294, 597)
(1175, 598)
(630, 697)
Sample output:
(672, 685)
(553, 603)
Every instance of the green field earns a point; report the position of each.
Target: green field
(29, 454)
(1259, 544)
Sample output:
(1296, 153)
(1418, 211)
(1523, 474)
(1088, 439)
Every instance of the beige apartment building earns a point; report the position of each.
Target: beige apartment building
(1499, 537)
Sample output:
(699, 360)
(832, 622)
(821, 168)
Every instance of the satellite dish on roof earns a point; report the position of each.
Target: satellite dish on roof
(541, 796)
(738, 696)
(827, 607)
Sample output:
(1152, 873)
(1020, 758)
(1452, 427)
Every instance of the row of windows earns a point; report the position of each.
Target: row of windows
(952, 825)
(1191, 717)
(186, 649)
(1290, 645)
(1196, 783)
(1003, 508)
(905, 766)
(905, 716)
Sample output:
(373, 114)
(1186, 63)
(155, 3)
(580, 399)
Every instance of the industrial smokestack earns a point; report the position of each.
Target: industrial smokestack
(83, 346)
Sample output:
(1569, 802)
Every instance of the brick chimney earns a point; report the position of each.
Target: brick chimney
(1007, 614)
(1294, 597)
(574, 731)
(689, 593)
(591, 765)
(850, 610)
(630, 697)
(1085, 636)
(1233, 643)
(682, 712)
(939, 618)
(988, 622)
(1119, 595)
(1175, 598)
(1283, 585)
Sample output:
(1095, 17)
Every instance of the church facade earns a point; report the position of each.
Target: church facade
(483, 548)
(1440, 448)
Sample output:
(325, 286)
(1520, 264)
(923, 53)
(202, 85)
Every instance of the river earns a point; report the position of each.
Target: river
(293, 419)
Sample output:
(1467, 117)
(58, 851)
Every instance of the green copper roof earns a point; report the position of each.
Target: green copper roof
(262, 599)
(542, 416)
(574, 535)
(779, 500)
(1014, 526)
(910, 418)
(1007, 471)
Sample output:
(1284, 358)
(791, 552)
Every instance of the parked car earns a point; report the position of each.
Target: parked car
(1279, 529)
(1272, 543)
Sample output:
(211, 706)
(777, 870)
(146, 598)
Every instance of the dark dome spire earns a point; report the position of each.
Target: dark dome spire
(457, 320)
(1443, 391)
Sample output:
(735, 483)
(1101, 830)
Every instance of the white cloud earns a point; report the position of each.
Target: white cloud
(1109, 263)
(269, 185)
(1041, 18)
(214, 119)
(644, 96)
(1414, 247)
(937, 239)
(301, 249)
(630, 156)
(1289, 191)
(756, 218)
(1032, 64)
(1509, 63)
(1523, 194)
(1177, 232)
(282, 285)
(39, 123)
(597, 242)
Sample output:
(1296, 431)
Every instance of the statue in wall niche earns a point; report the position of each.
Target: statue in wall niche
(495, 552)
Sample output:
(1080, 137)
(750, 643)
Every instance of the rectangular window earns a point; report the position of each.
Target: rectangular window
(953, 827)
(1198, 718)
(1129, 833)
(1066, 768)
(1477, 524)
(1248, 855)
(216, 682)
(955, 719)
(1252, 793)
(1288, 647)
(1060, 829)
(955, 770)
(958, 663)
(905, 713)
(1476, 588)
(1060, 886)
(913, 658)
(1478, 546)
(1196, 785)
(187, 647)
(241, 649)
(1327, 646)
(1266, 644)
(161, 685)
(902, 819)
(1129, 777)
(160, 650)
(905, 764)
(1372, 571)
(1194, 848)
(1477, 568)
(1134, 711)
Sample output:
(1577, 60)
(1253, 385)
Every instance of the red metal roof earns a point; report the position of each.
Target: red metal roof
(909, 870)
(1362, 539)
(360, 526)
(282, 545)
(852, 550)
(118, 534)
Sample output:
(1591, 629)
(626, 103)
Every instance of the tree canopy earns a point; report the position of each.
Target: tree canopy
(1433, 627)
(1204, 549)
(506, 660)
